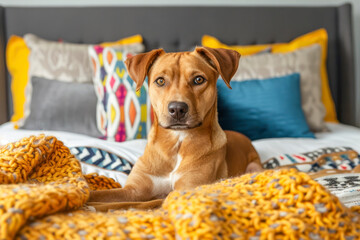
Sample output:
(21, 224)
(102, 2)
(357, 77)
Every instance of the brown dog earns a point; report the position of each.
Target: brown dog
(186, 145)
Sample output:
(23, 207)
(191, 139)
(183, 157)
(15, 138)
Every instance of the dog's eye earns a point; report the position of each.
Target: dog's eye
(199, 80)
(160, 81)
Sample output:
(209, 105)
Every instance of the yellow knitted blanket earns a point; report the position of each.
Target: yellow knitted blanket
(42, 189)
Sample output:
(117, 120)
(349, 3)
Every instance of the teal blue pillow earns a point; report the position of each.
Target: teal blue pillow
(267, 108)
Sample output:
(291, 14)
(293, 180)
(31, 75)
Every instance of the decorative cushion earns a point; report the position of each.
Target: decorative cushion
(259, 109)
(102, 159)
(122, 113)
(67, 62)
(305, 61)
(51, 60)
(319, 37)
(104, 163)
(98, 161)
(62, 106)
(17, 55)
(209, 41)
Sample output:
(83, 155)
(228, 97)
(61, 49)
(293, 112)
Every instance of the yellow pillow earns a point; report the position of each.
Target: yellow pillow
(17, 60)
(129, 40)
(318, 36)
(209, 41)
(17, 55)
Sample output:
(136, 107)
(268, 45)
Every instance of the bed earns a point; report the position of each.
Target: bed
(182, 30)
(341, 135)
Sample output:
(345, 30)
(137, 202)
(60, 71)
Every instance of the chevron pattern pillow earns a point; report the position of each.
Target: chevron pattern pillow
(102, 159)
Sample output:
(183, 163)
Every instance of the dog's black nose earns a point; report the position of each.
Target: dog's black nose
(177, 110)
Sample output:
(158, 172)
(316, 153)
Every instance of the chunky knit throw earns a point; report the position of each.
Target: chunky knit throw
(39, 176)
(42, 190)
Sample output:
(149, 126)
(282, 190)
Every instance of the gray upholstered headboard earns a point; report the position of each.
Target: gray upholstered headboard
(180, 28)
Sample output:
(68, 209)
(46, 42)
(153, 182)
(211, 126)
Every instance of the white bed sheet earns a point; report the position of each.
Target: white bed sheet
(130, 150)
(340, 135)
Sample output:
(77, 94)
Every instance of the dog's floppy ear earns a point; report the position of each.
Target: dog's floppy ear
(225, 61)
(139, 65)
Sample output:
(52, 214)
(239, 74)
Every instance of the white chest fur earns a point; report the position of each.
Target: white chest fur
(163, 185)
(173, 175)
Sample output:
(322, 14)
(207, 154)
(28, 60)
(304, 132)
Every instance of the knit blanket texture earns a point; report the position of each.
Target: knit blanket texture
(43, 192)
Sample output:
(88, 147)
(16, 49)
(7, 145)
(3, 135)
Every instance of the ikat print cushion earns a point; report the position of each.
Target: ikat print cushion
(122, 112)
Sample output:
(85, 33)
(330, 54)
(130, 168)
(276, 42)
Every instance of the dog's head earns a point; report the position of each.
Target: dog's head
(182, 86)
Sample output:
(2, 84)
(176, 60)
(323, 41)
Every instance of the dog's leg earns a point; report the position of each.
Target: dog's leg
(138, 188)
(127, 194)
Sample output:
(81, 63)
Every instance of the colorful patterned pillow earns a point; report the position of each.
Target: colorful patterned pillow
(122, 113)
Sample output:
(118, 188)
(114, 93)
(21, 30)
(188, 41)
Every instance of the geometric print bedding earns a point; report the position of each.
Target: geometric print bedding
(122, 112)
(102, 159)
(340, 181)
(341, 158)
(326, 165)
(345, 186)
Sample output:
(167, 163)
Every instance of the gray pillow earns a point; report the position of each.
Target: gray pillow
(62, 106)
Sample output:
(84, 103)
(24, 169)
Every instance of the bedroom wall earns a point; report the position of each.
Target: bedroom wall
(355, 3)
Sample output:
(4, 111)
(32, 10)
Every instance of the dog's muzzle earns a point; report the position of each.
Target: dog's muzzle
(179, 118)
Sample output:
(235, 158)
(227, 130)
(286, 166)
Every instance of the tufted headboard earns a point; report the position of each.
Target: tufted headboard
(181, 28)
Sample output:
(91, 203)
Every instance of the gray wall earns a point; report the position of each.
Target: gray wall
(355, 3)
